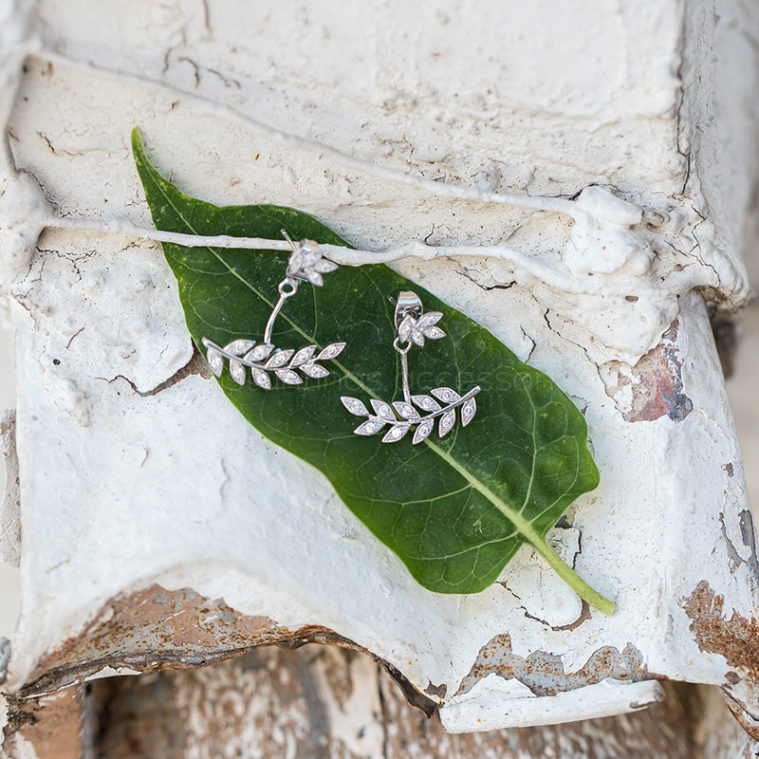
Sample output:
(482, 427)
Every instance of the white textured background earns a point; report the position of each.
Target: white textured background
(9, 595)
(627, 141)
(744, 398)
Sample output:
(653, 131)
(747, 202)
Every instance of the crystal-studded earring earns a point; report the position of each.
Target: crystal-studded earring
(306, 264)
(419, 411)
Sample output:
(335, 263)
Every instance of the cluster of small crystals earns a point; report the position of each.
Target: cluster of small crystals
(306, 263)
(408, 416)
(415, 329)
(285, 364)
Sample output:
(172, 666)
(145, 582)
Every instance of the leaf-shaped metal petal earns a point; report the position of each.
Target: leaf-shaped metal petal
(259, 353)
(261, 378)
(417, 337)
(325, 266)
(280, 358)
(447, 420)
(303, 356)
(445, 394)
(238, 347)
(289, 377)
(406, 410)
(354, 405)
(434, 333)
(428, 319)
(405, 328)
(468, 410)
(422, 432)
(395, 433)
(315, 278)
(317, 371)
(382, 410)
(215, 361)
(425, 403)
(237, 371)
(333, 350)
(369, 427)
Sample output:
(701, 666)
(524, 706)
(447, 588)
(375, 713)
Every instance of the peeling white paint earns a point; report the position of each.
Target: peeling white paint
(537, 587)
(121, 489)
(10, 516)
(494, 702)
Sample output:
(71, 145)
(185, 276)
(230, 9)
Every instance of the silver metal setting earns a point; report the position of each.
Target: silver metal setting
(419, 412)
(306, 264)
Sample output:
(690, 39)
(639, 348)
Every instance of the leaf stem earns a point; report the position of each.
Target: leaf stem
(532, 536)
(571, 578)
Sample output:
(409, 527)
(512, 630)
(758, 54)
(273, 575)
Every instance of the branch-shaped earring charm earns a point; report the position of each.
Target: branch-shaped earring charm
(420, 411)
(305, 265)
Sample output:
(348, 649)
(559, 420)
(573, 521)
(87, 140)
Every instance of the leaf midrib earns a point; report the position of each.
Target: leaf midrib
(521, 524)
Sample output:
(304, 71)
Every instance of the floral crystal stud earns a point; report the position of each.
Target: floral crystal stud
(417, 412)
(264, 360)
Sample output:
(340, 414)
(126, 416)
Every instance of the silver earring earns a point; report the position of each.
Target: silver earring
(419, 411)
(305, 265)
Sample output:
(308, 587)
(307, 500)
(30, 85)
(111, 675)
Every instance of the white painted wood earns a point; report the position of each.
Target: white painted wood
(121, 488)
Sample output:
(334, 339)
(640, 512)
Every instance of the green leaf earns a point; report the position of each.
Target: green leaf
(455, 510)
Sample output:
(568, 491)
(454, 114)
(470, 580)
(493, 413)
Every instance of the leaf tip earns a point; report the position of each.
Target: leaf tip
(136, 138)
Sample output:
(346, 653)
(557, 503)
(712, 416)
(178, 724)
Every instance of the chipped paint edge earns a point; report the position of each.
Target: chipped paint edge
(493, 704)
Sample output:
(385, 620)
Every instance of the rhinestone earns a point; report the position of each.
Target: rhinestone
(406, 410)
(445, 394)
(215, 361)
(434, 333)
(261, 378)
(354, 405)
(423, 431)
(314, 370)
(259, 353)
(237, 371)
(395, 433)
(425, 403)
(238, 347)
(279, 359)
(303, 355)
(430, 318)
(289, 377)
(370, 427)
(382, 410)
(324, 266)
(331, 351)
(447, 420)
(468, 410)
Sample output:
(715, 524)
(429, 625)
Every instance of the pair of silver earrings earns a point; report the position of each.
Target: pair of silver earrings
(413, 327)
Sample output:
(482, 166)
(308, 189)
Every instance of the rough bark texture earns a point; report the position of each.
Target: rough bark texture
(321, 702)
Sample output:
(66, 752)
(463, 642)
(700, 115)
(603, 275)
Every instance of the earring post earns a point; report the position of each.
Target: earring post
(289, 239)
(404, 372)
(283, 296)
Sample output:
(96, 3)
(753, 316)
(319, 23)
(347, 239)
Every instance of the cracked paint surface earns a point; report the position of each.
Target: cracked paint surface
(544, 673)
(159, 479)
(653, 387)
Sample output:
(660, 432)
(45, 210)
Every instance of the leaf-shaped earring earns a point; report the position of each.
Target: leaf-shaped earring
(306, 264)
(414, 411)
